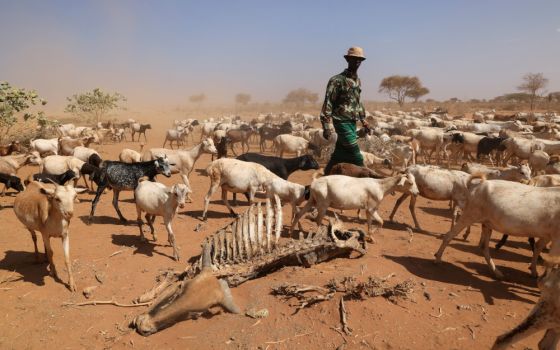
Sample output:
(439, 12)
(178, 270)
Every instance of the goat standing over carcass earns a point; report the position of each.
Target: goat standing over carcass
(513, 208)
(235, 176)
(123, 176)
(156, 199)
(48, 208)
(344, 192)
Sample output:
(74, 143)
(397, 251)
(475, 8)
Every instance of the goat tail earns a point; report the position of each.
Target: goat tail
(480, 176)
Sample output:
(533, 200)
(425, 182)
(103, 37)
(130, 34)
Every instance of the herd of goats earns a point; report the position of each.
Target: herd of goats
(502, 171)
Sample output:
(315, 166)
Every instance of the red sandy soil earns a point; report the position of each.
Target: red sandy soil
(466, 307)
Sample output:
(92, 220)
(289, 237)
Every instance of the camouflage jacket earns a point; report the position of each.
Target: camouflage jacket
(342, 99)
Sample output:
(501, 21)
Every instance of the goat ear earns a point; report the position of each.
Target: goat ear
(156, 163)
(403, 180)
(47, 191)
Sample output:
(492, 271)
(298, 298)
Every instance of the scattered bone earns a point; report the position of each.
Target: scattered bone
(343, 319)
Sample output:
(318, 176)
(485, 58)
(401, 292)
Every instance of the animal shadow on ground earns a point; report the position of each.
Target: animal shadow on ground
(443, 212)
(197, 214)
(23, 263)
(454, 274)
(134, 241)
(107, 220)
(502, 254)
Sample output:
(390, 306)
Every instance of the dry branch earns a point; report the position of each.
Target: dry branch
(104, 302)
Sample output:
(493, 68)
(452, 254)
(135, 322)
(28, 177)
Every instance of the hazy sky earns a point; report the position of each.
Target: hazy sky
(161, 52)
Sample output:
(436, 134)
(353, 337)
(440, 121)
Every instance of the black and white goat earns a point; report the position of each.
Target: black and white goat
(124, 176)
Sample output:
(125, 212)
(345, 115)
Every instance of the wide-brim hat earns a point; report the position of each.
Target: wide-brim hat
(355, 51)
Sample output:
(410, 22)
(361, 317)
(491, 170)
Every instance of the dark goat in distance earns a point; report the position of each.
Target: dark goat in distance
(11, 181)
(141, 130)
(268, 133)
(124, 176)
(487, 145)
(221, 147)
(61, 179)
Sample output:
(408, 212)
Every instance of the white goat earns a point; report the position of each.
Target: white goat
(156, 199)
(182, 161)
(291, 144)
(128, 155)
(235, 176)
(436, 184)
(345, 192)
(512, 208)
(45, 146)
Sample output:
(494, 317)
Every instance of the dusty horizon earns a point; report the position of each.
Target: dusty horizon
(159, 55)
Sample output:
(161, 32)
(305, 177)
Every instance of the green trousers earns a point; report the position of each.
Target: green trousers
(346, 149)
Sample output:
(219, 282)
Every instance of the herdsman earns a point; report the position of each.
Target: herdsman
(342, 105)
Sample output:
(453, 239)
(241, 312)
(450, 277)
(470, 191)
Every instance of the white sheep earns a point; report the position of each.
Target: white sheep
(345, 192)
(156, 199)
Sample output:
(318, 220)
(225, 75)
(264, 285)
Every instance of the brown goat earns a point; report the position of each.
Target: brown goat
(66, 146)
(354, 171)
(10, 148)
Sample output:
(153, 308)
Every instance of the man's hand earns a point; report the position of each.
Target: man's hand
(366, 127)
(326, 133)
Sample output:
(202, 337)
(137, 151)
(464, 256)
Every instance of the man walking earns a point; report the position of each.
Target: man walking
(342, 105)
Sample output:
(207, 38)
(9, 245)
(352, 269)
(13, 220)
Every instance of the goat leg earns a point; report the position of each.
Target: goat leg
(259, 228)
(116, 205)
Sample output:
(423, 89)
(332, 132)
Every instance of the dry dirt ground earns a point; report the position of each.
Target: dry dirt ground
(455, 305)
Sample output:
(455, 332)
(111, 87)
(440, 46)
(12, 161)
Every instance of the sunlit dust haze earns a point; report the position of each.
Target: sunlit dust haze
(158, 53)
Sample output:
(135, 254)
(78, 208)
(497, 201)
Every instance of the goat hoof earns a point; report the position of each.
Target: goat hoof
(499, 275)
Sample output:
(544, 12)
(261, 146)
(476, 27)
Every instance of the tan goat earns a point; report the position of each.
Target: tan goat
(48, 208)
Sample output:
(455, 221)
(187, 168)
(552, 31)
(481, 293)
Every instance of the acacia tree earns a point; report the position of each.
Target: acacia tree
(94, 105)
(15, 102)
(399, 87)
(300, 96)
(419, 92)
(533, 84)
(242, 99)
